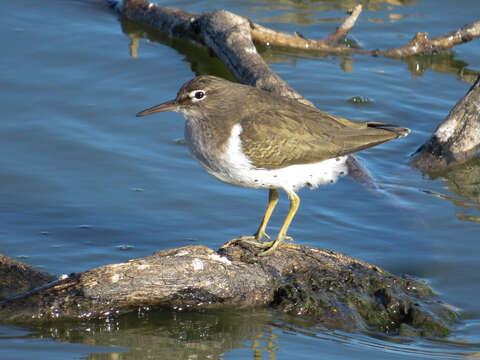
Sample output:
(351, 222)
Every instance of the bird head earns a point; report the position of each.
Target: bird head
(201, 93)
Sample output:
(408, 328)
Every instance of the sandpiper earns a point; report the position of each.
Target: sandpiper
(253, 138)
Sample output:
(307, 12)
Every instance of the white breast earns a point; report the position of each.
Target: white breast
(235, 168)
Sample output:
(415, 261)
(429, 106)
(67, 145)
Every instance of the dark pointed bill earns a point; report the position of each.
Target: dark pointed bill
(166, 106)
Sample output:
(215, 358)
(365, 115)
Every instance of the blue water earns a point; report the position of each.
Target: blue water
(84, 183)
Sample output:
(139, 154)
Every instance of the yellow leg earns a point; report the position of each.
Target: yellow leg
(294, 204)
(272, 202)
(255, 240)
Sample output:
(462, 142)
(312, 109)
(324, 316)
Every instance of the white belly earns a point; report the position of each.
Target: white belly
(233, 167)
(292, 177)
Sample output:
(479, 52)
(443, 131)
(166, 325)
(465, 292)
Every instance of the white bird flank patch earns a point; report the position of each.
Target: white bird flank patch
(237, 169)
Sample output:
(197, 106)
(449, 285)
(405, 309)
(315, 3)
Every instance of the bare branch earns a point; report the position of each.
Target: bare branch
(265, 36)
(422, 45)
(419, 45)
(346, 26)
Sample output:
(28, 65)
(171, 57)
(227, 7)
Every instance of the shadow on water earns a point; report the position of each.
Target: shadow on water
(462, 180)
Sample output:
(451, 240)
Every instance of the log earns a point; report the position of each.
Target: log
(336, 290)
(18, 278)
(457, 138)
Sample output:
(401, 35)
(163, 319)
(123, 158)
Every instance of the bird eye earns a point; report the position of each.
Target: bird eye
(199, 94)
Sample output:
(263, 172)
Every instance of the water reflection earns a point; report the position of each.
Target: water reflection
(173, 335)
(255, 334)
(441, 63)
(265, 342)
(463, 180)
(304, 12)
(203, 62)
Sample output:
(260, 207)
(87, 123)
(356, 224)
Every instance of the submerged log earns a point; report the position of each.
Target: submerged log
(336, 290)
(457, 138)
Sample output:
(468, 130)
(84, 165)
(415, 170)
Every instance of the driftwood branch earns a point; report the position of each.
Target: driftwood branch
(338, 291)
(422, 45)
(347, 25)
(266, 36)
(456, 138)
(419, 45)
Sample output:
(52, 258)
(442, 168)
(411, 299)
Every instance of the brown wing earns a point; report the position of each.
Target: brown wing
(288, 133)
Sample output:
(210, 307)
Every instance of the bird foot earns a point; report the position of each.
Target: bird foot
(275, 245)
(257, 237)
(252, 240)
(270, 246)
